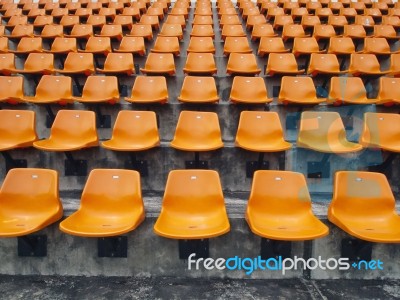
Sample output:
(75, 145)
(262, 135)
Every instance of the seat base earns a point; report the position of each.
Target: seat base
(198, 247)
(275, 249)
(116, 246)
(32, 245)
(356, 249)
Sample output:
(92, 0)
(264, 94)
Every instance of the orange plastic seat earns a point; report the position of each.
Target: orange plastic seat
(7, 63)
(52, 89)
(274, 12)
(111, 31)
(124, 21)
(354, 31)
(367, 64)
(307, 45)
(203, 11)
(380, 131)
(159, 63)
(165, 44)
(81, 31)
(98, 45)
(118, 63)
(37, 63)
(282, 20)
(132, 45)
(11, 89)
(179, 11)
(141, 30)
(349, 90)
(29, 207)
(279, 207)
(271, 45)
(150, 20)
(262, 30)
(337, 21)
(385, 31)
(78, 63)
(109, 12)
(99, 89)
(363, 205)
(324, 64)
(388, 93)
(298, 90)
(260, 131)
(149, 89)
(200, 63)
(172, 30)
(242, 63)
(394, 65)
(232, 31)
(365, 21)
(96, 20)
(111, 205)
(230, 20)
(72, 6)
(29, 45)
(299, 12)
(202, 31)
(52, 31)
(324, 32)
(69, 21)
(59, 12)
(197, 89)
(41, 21)
(197, 131)
(341, 45)
(171, 19)
(193, 206)
(391, 20)
(310, 21)
(134, 131)
(236, 45)
(202, 20)
(3, 45)
(378, 46)
(282, 63)
(201, 45)
(291, 31)
(155, 11)
(71, 130)
(253, 20)
(20, 31)
(16, 20)
(63, 45)
(324, 132)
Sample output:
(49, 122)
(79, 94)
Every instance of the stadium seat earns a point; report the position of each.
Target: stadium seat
(354, 31)
(260, 131)
(96, 21)
(123, 21)
(323, 32)
(51, 31)
(229, 20)
(388, 93)
(11, 89)
(16, 20)
(141, 30)
(253, 20)
(164, 44)
(341, 45)
(201, 45)
(365, 21)
(193, 206)
(365, 64)
(305, 45)
(232, 30)
(282, 63)
(274, 12)
(20, 31)
(149, 89)
(111, 31)
(282, 20)
(271, 45)
(324, 64)
(31, 206)
(118, 63)
(134, 131)
(298, 90)
(155, 11)
(98, 45)
(202, 20)
(385, 31)
(81, 31)
(197, 131)
(377, 46)
(150, 20)
(394, 65)
(242, 63)
(63, 45)
(171, 19)
(279, 207)
(172, 30)
(71, 130)
(52, 89)
(348, 90)
(7, 63)
(37, 63)
(299, 12)
(28, 45)
(391, 20)
(291, 31)
(249, 90)
(69, 21)
(108, 12)
(236, 45)
(310, 21)
(324, 132)
(131, 44)
(202, 31)
(197, 89)
(99, 89)
(179, 11)
(78, 63)
(111, 205)
(337, 21)
(200, 63)
(262, 30)
(3, 45)
(41, 21)
(159, 63)
(363, 205)
(59, 13)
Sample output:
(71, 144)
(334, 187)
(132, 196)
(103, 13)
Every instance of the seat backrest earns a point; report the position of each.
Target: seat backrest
(347, 88)
(57, 87)
(30, 44)
(100, 87)
(79, 61)
(379, 129)
(64, 44)
(118, 61)
(39, 61)
(19, 124)
(11, 87)
(297, 87)
(7, 61)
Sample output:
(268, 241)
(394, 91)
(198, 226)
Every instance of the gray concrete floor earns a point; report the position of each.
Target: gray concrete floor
(62, 287)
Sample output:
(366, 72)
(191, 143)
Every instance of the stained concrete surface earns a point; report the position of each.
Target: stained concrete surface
(64, 287)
